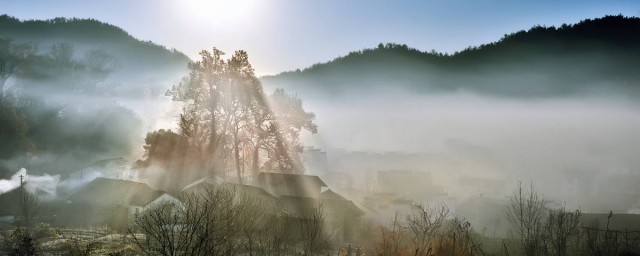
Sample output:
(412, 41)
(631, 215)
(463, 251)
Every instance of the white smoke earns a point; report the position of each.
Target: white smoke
(76, 180)
(42, 185)
(13, 183)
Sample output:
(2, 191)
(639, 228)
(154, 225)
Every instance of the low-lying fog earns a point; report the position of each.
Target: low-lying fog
(449, 134)
(452, 134)
(579, 132)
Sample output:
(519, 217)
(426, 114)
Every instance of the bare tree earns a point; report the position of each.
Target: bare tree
(605, 241)
(205, 224)
(391, 241)
(272, 237)
(160, 232)
(28, 204)
(526, 214)
(312, 229)
(561, 226)
(252, 219)
(459, 239)
(424, 224)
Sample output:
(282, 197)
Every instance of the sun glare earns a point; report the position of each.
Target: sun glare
(218, 11)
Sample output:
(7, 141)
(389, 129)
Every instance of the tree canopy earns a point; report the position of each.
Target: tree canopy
(228, 125)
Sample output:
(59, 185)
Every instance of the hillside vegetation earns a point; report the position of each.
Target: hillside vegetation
(591, 56)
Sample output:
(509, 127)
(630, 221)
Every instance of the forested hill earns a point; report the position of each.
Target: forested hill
(592, 56)
(85, 34)
(88, 92)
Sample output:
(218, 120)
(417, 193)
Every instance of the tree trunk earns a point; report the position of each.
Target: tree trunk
(213, 140)
(255, 165)
(236, 155)
(3, 81)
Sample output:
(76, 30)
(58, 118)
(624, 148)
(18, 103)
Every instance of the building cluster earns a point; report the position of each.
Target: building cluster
(116, 202)
(347, 197)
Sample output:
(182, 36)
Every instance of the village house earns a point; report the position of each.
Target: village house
(11, 202)
(280, 184)
(114, 201)
(207, 184)
(413, 185)
(299, 194)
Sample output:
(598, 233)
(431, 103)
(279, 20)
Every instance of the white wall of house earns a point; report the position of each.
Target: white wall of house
(164, 198)
(133, 210)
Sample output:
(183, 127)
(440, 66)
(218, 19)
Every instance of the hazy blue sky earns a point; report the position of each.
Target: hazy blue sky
(283, 35)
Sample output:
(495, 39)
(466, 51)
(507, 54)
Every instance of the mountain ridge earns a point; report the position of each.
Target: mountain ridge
(541, 61)
(86, 34)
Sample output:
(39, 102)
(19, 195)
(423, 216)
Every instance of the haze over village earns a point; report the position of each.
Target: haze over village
(319, 128)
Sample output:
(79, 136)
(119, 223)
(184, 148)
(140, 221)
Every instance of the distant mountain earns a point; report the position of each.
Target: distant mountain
(140, 66)
(590, 57)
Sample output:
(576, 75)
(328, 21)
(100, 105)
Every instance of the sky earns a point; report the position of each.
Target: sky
(284, 35)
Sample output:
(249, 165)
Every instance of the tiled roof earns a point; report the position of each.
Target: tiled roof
(295, 178)
(106, 192)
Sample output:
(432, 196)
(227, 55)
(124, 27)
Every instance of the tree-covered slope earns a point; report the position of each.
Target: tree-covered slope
(132, 54)
(592, 56)
(75, 91)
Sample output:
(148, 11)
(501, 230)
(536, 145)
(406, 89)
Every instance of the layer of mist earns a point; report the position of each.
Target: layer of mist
(502, 111)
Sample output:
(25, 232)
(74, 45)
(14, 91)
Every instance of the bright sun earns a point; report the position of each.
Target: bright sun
(219, 11)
